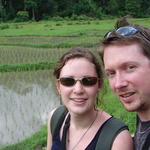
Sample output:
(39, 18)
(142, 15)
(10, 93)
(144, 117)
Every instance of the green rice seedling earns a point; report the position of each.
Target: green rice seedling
(90, 40)
(27, 39)
(5, 117)
(1, 135)
(22, 55)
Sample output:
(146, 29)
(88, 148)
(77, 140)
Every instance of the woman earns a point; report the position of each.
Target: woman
(79, 79)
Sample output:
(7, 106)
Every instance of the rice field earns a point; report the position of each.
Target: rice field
(35, 39)
(20, 54)
(23, 54)
(26, 99)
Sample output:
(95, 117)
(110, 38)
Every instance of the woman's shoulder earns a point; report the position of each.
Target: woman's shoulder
(51, 113)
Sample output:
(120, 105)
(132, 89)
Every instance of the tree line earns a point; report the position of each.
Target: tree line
(47, 9)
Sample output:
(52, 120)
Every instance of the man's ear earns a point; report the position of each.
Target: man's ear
(58, 87)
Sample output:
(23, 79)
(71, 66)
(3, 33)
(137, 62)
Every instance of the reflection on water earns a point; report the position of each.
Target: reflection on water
(26, 99)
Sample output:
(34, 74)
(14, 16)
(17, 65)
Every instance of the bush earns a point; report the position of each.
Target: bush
(81, 17)
(74, 17)
(4, 26)
(99, 13)
(84, 17)
(58, 18)
(66, 18)
(58, 24)
(45, 17)
(22, 16)
(70, 23)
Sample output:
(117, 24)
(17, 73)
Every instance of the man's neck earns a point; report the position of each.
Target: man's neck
(144, 115)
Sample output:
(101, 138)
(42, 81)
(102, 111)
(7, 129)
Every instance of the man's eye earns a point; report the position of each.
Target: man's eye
(129, 68)
(110, 74)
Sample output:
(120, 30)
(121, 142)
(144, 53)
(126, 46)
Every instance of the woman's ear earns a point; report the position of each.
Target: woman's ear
(58, 87)
(99, 88)
(100, 83)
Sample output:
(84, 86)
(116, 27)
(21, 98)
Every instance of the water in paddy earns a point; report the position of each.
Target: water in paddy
(26, 98)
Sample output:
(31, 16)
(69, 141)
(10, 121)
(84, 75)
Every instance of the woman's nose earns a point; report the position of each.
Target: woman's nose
(78, 87)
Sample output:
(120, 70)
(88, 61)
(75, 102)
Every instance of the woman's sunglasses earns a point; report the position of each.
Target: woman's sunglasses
(126, 30)
(86, 81)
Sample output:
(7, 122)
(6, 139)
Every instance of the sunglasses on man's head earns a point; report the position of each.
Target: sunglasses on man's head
(86, 81)
(127, 30)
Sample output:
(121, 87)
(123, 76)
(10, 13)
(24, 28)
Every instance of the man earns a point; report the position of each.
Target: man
(126, 56)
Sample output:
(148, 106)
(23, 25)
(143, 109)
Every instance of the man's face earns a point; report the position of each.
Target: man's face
(128, 71)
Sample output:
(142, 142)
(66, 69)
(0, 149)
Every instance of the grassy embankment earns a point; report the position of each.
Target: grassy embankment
(32, 46)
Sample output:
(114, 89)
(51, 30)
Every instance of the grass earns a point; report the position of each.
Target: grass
(25, 67)
(37, 141)
(52, 29)
(25, 45)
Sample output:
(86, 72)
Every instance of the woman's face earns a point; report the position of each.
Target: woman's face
(78, 98)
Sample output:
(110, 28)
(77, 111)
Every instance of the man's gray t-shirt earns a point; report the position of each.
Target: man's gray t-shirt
(143, 129)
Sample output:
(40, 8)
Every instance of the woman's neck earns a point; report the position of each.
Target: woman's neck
(79, 121)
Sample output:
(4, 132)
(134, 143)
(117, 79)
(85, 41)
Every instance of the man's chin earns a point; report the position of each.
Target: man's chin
(129, 108)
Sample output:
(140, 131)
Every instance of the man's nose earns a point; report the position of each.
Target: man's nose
(120, 81)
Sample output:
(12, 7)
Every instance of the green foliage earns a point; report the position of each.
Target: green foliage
(84, 7)
(22, 16)
(112, 7)
(30, 4)
(145, 8)
(2, 13)
(4, 26)
(84, 17)
(99, 13)
(47, 9)
(58, 18)
(133, 7)
(74, 17)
